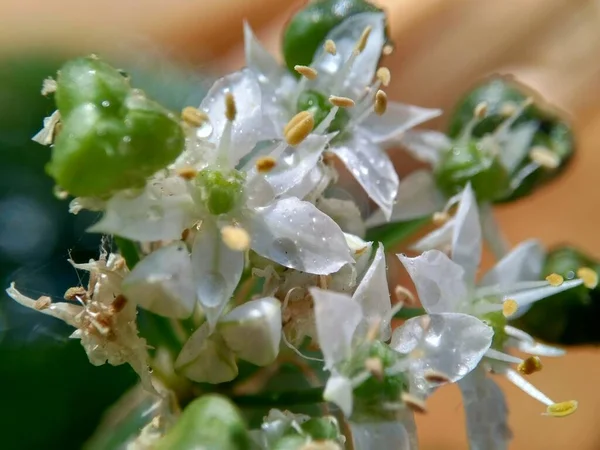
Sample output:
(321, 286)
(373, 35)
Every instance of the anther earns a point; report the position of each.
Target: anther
(434, 376)
(440, 218)
(187, 173)
(387, 49)
(414, 403)
(42, 303)
(384, 75)
(193, 116)
(530, 365)
(507, 109)
(375, 367)
(118, 304)
(589, 277)
(342, 102)
(299, 127)
(562, 409)
(330, 47)
(480, 110)
(265, 164)
(380, 102)
(230, 109)
(544, 157)
(555, 279)
(306, 71)
(509, 307)
(363, 39)
(235, 238)
(75, 293)
(402, 295)
(48, 86)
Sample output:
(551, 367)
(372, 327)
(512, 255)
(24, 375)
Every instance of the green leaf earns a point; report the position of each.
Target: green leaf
(392, 234)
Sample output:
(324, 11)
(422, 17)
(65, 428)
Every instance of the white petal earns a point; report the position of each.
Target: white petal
(217, 270)
(439, 239)
(338, 390)
(466, 242)
(388, 128)
(339, 309)
(439, 281)
(516, 144)
(373, 294)
(146, 217)
(163, 282)
(247, 125)
(492, 234)
(206, 359)
(296, 234)
(380, 435)
(46, 135)
(345, 213)
(523, 263)
(63, 311)
(372, 168)
(418, 196)
(267, 70)
(253, 330)
(345, 37)
(486, 412)
(424, 145)
(449, 343)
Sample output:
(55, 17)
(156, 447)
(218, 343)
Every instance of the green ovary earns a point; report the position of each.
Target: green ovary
(220, 191)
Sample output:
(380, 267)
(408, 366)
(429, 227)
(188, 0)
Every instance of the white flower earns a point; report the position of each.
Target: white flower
(349, 74)
(448, 285)
(104, 318)
(235, 209)
(47, 134)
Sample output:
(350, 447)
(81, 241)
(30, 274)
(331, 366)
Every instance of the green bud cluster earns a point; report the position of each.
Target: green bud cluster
(220, 192)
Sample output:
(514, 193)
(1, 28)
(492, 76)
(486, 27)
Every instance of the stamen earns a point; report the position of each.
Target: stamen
(555, 279)
(187, 173)
(589, 277)
(342, 102)
(265, 164)
(373, 330)
(384, 75)
(414, 403)
(306, 71)
(388, 49)
(480, 110)
(380, 102)
(375, 367)
(531, 365)
(440, 218)
(508, 109)
(42, 303)
(118, 304)
(193, 116)
(363, 39)
(48, 86)
(562, 409)
(544, 157)
(236, 238)
(509, 307)
(434, 376)
(230, 109)
(75, 293)
(330, 47)
(402, 294)
(298, 128)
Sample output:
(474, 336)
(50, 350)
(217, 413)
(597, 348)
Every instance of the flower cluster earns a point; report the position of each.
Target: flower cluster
(229, 235)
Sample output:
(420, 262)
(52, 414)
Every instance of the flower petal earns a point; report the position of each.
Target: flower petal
(380, 435)
(338, 390)
(516, 143)
(267, 70)
(439, 281)
(217, 270)
(486, 412)
(253, 330)
(466, 241)
(296, 234)
(424, 145)
(163, 282)
(46, 135)
(345, 313)
(373, 294)
(492, 234)
(206, 359)
(372, 168)
(439, 239)
(523, 263)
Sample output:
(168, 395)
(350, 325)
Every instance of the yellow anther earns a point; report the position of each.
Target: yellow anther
(361, 250)
(193, 116)
(187, 173)
(342, 102)
(509, 307)
(388, 49)
(480, 110)
(235, 238)
(544, 157)
(562, 409)
(507, 109)
(230, 109)
(299, 127)
(530, 365)
(306, 71)
(330, 47)
(380, 102)
(384, 75)
(42, 303)
(402, 295)
(375, 367)
(434, 376)
(555, 279)
(440, 218)
(363, 39)
(414, 403)
(589, 277)
(265, 163)
(48, 86)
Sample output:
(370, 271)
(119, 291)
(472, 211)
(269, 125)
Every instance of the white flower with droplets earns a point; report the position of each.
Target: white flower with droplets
(232, 209)
(448, 285)
(339, 91)
(105, 319)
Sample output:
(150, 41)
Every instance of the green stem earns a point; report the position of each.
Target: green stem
(281, 398)
(409, 313)
(128, 251)
(392, 234)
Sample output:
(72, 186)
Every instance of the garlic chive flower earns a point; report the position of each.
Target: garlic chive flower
(342, 97)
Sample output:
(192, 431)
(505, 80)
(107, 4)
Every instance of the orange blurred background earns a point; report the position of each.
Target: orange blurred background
(442, 48)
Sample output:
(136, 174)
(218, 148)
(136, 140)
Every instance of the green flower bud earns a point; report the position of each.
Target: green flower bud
(468, 162)
(319, 106)
(220, 192)
(307, 30)
(291, 442)
(97, 152)
(322, 428)
(210, 422)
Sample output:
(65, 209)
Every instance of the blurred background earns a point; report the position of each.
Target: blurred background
(51, 397)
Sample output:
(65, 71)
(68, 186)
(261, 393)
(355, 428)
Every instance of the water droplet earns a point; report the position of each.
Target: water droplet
(106, 103)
